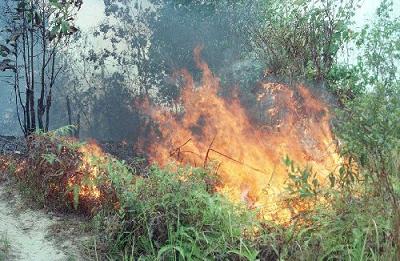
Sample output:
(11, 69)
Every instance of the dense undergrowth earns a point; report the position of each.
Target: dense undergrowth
(174, 213)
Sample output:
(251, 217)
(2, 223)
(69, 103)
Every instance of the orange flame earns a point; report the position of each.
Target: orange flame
(249, 158)
(88, 188)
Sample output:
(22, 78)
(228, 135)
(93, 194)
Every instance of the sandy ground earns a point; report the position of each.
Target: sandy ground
(28, 234)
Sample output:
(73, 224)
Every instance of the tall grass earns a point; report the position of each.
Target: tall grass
(5, 247)
(175, 214)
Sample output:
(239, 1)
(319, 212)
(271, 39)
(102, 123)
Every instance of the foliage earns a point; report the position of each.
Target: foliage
(300, 40)
(302, 182)
(172, 214)
(58, 174)
(34, 32)
(379, 43)
(150, 44)
(358, 229)
(369, 132)
(376, 58)
(369, 123)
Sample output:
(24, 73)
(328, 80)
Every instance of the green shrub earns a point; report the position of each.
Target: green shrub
(175, 214)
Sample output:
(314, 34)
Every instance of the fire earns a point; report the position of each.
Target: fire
(87, 184)
(212, 130)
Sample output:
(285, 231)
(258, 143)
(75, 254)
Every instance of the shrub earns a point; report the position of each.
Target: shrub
(162, 216)
(175, 214)
(63, 174)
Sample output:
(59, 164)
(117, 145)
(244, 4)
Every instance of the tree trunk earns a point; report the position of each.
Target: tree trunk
(32, 90)
(41, 107)
(78, 126)
(49, 96)
(69, 111)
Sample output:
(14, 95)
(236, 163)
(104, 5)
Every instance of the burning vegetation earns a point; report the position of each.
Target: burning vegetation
(254, 163)
(216, 133)
(222, 185)
(270, 172)
(60, 173)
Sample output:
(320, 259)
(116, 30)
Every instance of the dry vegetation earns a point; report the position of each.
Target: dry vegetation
(176, 214)
(286, 172)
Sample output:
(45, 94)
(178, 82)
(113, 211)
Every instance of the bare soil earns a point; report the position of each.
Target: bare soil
(28, 234)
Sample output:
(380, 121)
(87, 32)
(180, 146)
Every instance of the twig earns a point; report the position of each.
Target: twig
(239, 162)
(272, 175)
(208, 151)
(177, 150)
(194, 153)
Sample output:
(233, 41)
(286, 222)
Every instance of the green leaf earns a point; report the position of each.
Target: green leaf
(64, 27)
(169, 248)
(55, 3)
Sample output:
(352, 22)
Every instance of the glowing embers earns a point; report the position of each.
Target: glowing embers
(247, 157)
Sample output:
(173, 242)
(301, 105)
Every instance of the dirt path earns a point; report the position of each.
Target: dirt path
(25, 233)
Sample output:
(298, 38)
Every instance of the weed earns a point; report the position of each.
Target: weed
(175, 214)
(5, 247)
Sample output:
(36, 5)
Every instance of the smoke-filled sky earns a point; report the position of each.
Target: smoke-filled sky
(90, 16)
(93, 11)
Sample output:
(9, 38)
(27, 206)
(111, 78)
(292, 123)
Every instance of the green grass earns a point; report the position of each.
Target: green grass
(174, 214)
(5, 247)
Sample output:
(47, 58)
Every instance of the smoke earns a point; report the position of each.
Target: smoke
(137, 56)
(216, 132)
(135, 52)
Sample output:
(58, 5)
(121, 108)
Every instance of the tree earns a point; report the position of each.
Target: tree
(300, 40)
(368, 127)
(35, 31)
(126, 31)
(150, 42)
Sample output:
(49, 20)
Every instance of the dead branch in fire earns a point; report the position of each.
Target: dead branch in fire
(178, 149)
(208, 151)
(178, 152)
(237, 161)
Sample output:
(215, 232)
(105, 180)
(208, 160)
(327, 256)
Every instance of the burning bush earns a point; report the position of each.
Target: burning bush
(212, 130)
(176, 212)
(169, 213)
(64, 174)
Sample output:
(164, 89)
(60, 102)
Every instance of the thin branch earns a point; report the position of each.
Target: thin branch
(208, 151)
